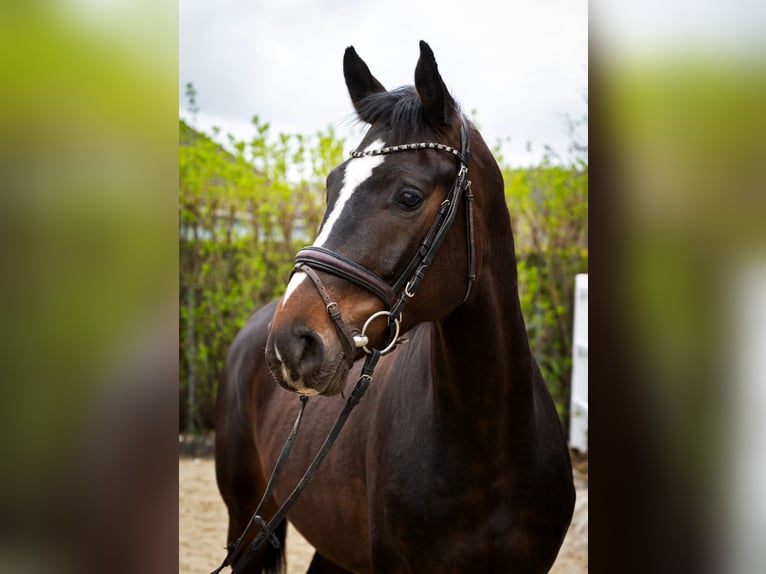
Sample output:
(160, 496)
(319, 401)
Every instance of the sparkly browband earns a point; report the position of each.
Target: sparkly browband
(407, 147)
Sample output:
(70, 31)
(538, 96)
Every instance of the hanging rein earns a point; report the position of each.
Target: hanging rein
(314, 258)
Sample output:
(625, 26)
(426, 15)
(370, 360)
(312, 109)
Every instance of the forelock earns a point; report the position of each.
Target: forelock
(400, 110)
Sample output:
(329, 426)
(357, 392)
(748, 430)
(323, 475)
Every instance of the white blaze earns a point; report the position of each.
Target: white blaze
(295, 280)
(358, 171)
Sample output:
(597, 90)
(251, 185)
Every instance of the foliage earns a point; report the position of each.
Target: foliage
(244, 213)
(242, 216)
(549, 213)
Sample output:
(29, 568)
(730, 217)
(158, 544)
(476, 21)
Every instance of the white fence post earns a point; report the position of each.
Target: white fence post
(578, 420)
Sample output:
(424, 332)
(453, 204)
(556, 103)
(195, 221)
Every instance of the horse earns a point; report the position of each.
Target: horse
(455, 460)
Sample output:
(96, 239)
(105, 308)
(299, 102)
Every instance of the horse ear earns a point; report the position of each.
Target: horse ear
(359, 81)
(438, 104)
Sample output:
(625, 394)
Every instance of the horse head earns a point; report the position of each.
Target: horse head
(383, 209)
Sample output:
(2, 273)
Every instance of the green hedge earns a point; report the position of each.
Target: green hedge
(549, 214)
(242, 218)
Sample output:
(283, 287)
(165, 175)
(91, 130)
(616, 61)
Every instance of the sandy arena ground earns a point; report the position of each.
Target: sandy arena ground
(202, 526)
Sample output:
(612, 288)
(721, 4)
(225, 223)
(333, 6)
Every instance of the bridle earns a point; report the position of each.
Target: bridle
(395, 297)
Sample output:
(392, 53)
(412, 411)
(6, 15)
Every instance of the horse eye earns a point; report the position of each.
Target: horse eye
(409, 199)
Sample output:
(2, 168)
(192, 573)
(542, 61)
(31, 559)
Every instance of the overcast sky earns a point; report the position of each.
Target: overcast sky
(520, 65)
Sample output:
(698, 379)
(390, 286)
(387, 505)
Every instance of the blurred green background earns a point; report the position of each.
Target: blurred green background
(88, 305)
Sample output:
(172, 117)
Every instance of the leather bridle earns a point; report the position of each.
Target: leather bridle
(395, 297)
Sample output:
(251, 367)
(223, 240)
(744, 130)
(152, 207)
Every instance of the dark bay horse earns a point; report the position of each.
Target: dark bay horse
(455, 460)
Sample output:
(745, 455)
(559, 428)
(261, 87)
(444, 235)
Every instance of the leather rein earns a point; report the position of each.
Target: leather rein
(314, 258)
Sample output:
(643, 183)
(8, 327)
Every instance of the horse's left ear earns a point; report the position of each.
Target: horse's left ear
(439, 106)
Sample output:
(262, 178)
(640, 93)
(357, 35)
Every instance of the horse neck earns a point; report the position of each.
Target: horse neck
(483, 366)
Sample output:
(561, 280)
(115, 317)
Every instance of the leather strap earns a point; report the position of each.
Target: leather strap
(336, 264)
(268, 528)
(396, 296)
(344, 333)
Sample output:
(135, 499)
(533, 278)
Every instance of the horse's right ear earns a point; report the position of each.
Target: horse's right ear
(359, 81)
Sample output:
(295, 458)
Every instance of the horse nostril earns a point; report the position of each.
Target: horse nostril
(312, 355)
(301, 352)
